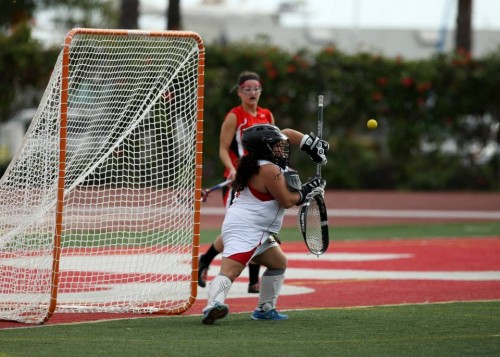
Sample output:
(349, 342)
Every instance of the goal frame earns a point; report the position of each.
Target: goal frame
(59, 208)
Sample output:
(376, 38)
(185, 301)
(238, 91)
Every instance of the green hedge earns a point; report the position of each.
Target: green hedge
(432, 101)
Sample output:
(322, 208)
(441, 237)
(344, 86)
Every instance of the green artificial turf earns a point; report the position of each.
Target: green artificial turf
(445, 329)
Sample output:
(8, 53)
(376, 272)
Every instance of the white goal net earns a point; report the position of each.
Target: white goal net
(99, 210)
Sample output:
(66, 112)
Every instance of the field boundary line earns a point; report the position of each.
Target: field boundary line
(386, 213)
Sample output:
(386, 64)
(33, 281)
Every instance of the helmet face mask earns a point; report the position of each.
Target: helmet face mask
(281, 153)
(267, 142)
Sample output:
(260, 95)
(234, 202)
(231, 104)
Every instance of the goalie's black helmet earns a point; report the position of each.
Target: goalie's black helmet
(260, 140)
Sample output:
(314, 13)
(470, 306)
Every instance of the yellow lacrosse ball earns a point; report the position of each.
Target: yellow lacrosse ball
(372, 124)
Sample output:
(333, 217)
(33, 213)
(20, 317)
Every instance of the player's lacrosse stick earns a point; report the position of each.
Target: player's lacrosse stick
(313, 218)
(206, 192)
(187, 200)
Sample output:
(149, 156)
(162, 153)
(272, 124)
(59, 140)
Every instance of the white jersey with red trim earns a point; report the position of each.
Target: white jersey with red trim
(255, 209)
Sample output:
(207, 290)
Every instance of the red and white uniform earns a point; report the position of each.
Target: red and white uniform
(244, 120)
(249, 222)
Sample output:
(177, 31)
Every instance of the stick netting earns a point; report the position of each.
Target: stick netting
(130, 179)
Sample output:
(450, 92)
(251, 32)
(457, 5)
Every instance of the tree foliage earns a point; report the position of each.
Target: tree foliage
(24, 64)
(16, 12)
(82, 13)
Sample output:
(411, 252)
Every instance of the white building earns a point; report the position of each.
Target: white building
(290, 26)
(294, 24)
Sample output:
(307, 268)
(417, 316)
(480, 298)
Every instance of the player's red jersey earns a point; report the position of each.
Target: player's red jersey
(245, 120)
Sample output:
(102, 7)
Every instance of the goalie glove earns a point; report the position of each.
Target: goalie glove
(314, 185)
(315, 148)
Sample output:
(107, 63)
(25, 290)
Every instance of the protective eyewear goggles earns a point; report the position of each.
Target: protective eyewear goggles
(250, 90)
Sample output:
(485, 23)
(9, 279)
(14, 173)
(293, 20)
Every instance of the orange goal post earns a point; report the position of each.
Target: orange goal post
(100, 208)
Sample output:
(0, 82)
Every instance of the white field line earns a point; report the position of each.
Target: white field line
(386, 213)
(127, 263)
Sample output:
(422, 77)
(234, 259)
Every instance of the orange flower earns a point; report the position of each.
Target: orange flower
(272, 73)
(424, 87)
(291, 68)
(382, 81)
(377, 96)
(268, 64)
(407, 82)
(329, 49)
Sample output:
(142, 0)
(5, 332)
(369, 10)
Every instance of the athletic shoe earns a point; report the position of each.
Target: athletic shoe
(269, 315)
(253, 288)
(202, 272)
(216, 312)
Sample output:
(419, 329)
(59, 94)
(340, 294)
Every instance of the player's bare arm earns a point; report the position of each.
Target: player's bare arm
(227, 133)
(294, 136)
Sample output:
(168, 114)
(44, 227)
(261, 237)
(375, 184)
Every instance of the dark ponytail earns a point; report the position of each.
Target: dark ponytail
(248, 166)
